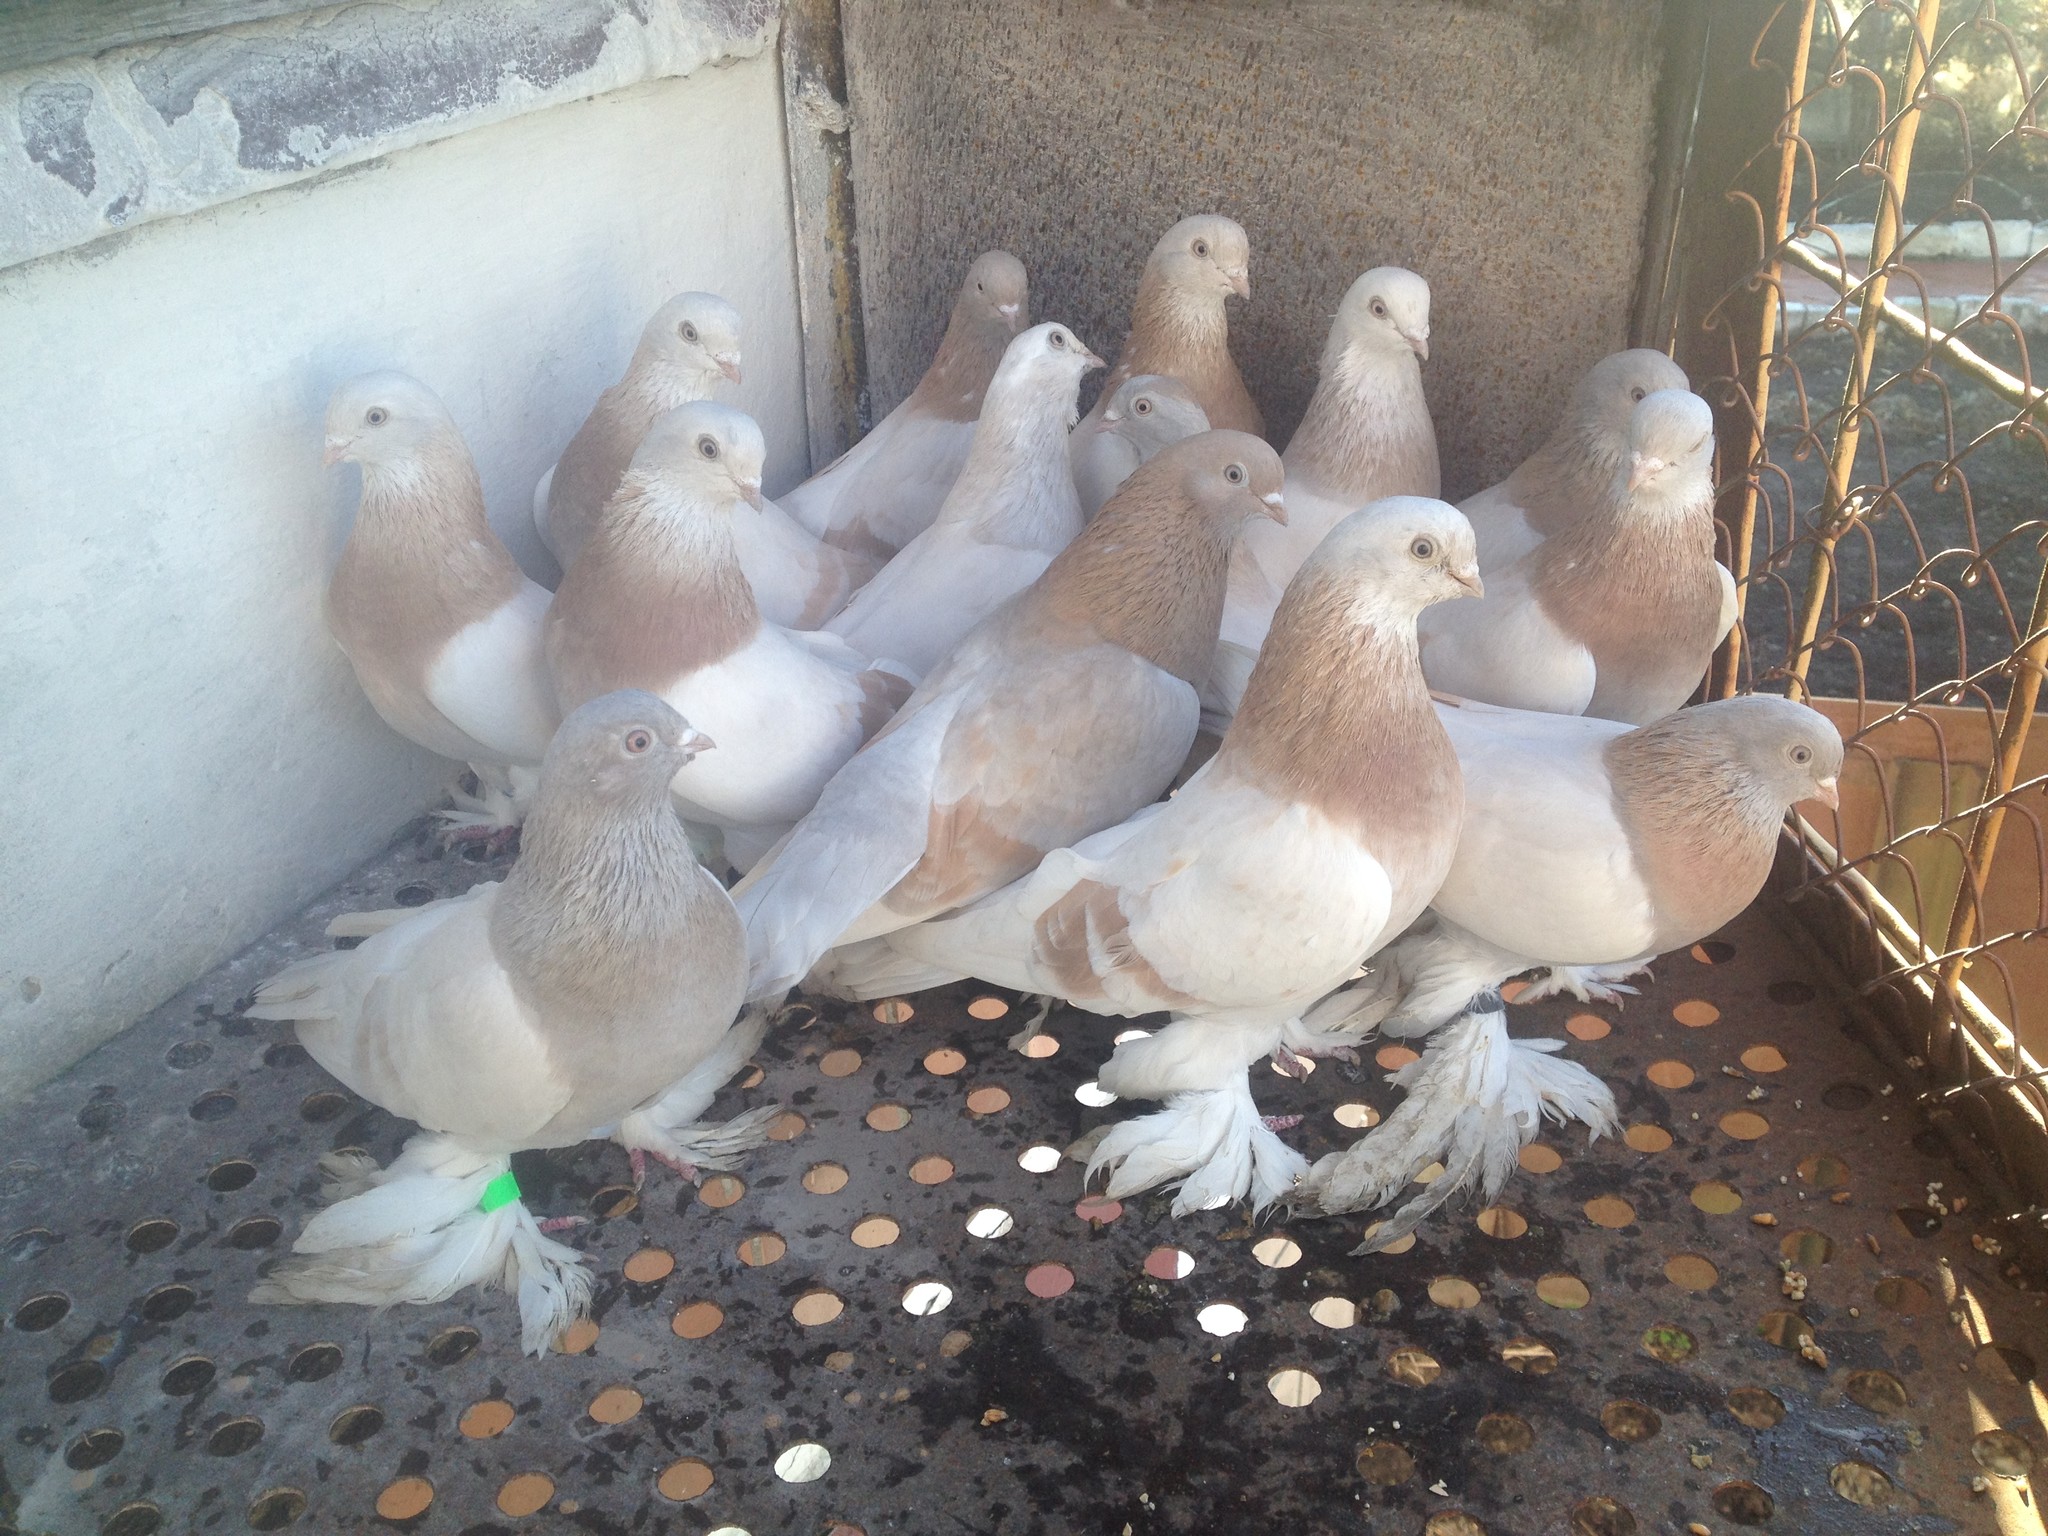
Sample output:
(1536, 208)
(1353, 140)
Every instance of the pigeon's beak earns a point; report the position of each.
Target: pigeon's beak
(1830, 792)
(1111, 415)
(751, 491)
(1276, 509)
(695, 741)
(1419, 345)
(1240, 282)
(1467, 576)
(336, 447)
(1010, 312)
(729, 365)
(1091, 359)
(1641, 467)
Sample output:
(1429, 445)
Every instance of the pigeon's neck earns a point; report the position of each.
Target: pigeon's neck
(1149, 575)
(656, 594)
(1702, 828)
(422, 560)
(955, 385)
(1571, 476)
(1367, 432)
(655, 383)
(1017, 487)
(596, 919)
(1185, 335)
(1625, 570)
(1337, 716)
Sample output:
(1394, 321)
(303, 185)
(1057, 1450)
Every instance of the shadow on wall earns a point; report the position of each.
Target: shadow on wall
(1502, 150)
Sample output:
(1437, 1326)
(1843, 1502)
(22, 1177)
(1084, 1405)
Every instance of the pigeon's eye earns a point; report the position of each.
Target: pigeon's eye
(708, 446)
(1696, 447)
(978, 288)
(1200, 247)
(638, 741)
(687, 331)
(1802, 755)
(376, 416)
(1141, 406)
(1379, 309)
(1234, 474)
(1059, 341)
(1423, 549)
(1637, 394)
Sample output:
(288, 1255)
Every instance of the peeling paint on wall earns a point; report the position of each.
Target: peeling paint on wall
(89, 146)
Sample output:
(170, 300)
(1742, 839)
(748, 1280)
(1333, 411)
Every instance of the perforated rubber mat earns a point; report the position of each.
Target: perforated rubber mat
(890, 1320)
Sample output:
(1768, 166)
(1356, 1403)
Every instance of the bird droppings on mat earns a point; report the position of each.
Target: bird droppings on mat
(833, 1338)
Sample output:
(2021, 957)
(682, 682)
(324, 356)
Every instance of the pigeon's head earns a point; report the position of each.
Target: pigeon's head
(1386, 312)
(1232, 475)
(1404, 552)
(996, 287)
(381, 419)
(696, 338)
(1607, 396)
(1788, 752)
(622, 746)
(1670, 440)
(1206, 254)
(706, 451)
(1046, 360)
(1152, 407)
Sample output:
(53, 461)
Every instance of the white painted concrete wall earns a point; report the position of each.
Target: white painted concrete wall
(184, 754)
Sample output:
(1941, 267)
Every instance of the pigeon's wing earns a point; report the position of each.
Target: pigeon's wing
(926, 599)
(798, 581)
(423, 1021)
(1731, 604)
(1501, 526)
(1504, 649)
(491, 680)
(887, 488)
(1544, 866)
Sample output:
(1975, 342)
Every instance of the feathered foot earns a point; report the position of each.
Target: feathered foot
(418, 1232)
(670, 1129)
(491, 815)
(1588, 983)
(1475, 1099)
(1020, 1042)
(1342, 1020)
(1211, 1143)
(870, 968)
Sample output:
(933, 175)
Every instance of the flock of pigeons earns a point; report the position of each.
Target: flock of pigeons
(930, 706)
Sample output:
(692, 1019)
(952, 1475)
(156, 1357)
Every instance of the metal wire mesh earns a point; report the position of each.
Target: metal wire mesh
(1862, 286)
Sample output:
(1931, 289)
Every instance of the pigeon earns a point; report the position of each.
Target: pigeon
(692, 341)
(1178, 326)
(1616, 614)
(1062, 713)
(534, 1013)
(1317, 833)
(1012, 509)
(1586, 843)
(1145, 414)
(441, 626)
(1366, 435)
(657, 601)
(886, 489)
(1578, 468)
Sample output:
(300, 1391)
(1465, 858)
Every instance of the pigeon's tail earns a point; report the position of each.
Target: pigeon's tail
(1441, 969)
(1211, 1144)
(1475, 1099)
(438, 1219)
(672, 1125)
(874, 968)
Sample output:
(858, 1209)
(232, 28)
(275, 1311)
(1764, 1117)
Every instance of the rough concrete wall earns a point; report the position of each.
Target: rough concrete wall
(185, 753)
(1501, 149)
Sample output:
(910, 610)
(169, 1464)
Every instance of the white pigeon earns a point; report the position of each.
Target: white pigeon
(1325, 821)
(432, 611)
(1617, 614)
(1579, 467)
(1586, 844)
(534, 1013)
(657, 600)
(886, 489)
(1143, 415)
(1366, 435)
(1012, 509)
(692, 342)
(1062, 713)
(1178, 324)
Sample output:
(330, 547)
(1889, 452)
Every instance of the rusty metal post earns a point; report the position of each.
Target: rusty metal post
(1837, 512)
(821, 203)
(1727, 667)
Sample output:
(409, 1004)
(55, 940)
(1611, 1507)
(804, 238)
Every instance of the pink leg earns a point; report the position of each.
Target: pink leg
(1280, 1122)
(1291, 1063)
(563, 1223)
(638, 1156)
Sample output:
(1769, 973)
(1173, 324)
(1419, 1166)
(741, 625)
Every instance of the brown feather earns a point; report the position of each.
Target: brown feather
(953, 386)
(1346, 450)
(1186, 336)
(1088, 918)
